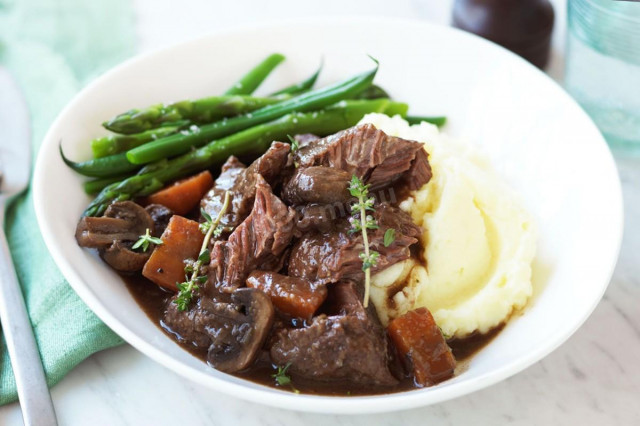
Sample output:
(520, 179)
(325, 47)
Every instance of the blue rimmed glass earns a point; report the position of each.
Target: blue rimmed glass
(603, 66)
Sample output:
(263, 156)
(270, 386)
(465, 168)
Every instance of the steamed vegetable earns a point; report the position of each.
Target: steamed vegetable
(253, 140)
(115, 144)
(314, 100)
(184, 195)
(180, 241)
(421, 344)
(438, 121)
(301, 87)
(94, 186)
(205, 110)
(373, 92)
(293, 296)
(250, 81)
(104, 167)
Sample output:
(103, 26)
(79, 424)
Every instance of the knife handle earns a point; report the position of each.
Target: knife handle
(35, 400)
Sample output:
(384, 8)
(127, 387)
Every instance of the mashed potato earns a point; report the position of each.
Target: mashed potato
(478, 241)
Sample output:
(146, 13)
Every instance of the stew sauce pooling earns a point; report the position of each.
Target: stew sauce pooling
(153, 300)
(283, 284)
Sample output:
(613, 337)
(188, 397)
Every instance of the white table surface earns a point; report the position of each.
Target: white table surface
(593, 379)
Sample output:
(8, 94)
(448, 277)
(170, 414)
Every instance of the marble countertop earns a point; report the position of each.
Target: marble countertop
(594, 378)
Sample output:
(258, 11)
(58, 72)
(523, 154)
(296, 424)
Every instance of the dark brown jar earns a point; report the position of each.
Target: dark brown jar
(522, 26)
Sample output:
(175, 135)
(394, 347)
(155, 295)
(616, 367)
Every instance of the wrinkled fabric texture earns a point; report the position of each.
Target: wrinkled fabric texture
(53, 48)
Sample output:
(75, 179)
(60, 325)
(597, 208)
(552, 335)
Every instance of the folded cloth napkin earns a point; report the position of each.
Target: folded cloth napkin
(53, 48)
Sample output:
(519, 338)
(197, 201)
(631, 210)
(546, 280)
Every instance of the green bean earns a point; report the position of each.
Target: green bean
(182, 142)
(438, 121)
(113, 165)
(251, 80)
(301, 87)
(253, 140)
(372, 92)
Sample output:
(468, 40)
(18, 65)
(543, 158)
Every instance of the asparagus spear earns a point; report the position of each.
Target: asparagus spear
(203, 110)
(252, 140)
(314, 100)
(94, 186)
(250, 81)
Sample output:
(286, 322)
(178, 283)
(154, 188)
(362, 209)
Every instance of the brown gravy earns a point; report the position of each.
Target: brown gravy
(153, 299)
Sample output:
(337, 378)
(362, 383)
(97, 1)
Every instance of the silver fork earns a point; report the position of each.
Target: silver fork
(15, 166)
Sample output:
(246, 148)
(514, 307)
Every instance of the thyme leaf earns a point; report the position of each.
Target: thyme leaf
(389, 237)
(282, 378)
(294, 143)
(145, 241)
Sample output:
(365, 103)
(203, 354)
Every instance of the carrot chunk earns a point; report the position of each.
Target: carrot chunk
(418, 338)
(180, 241)
(184, 195)
(293, 296)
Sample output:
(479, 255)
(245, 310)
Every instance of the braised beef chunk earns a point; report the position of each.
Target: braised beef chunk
(269, 166)
(371, 155)
(324, 258)
(347, 300)
(229, 173)
(420, 171)
(388, 216)
(335, 255)
(259, 240)
(241, 182)
(305, 139)
(214, 199)
(322, 185)
(318, 217)
(349, 346)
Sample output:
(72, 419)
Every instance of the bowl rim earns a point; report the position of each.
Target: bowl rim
(284, 399)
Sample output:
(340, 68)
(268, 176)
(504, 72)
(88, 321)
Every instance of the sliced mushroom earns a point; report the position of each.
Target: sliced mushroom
(247, 323)
(120, 256)
(114, 234)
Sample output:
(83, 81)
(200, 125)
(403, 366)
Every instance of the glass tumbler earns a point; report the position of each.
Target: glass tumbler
(603, 66)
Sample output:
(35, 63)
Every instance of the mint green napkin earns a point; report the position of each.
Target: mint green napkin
(53, 48)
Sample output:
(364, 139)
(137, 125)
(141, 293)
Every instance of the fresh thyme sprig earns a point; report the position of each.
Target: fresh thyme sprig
(362, 222)
(145, 241)
(209, 228)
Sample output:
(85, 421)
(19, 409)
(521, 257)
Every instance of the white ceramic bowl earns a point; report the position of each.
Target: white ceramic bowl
(539, 140)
